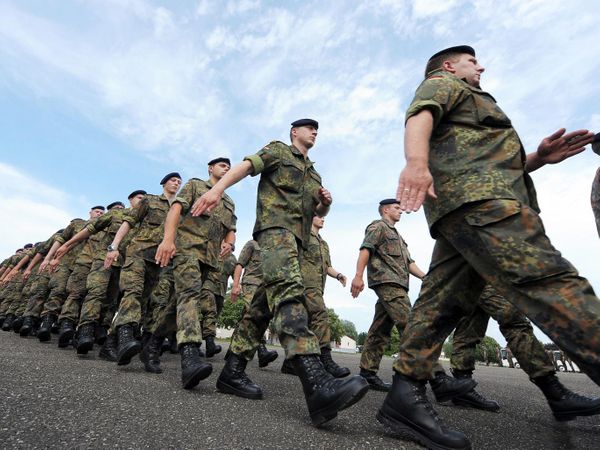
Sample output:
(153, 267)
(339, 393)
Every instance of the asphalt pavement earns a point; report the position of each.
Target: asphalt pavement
(51, 398)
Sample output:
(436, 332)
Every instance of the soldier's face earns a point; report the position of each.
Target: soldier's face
(94, 213)
(466, 67)
(134, 201)
(306, 136)
(393, 212)
(218, 170)
(172, 185)
(318, 222)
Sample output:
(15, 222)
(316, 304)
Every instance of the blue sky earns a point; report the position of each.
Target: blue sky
(98, 98)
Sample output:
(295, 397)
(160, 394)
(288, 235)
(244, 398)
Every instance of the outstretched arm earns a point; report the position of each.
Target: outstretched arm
(357, 283)
(166, 250)
(557, 147)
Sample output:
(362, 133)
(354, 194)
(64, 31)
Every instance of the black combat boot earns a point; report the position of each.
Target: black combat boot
(331, 366)
(193, 369)
(234, 380)
(174, 349)
(287, 367)
(85, 338)
(8, 321)
(211, 348)
(109, 349)
(446, 387)
(406, 412)
(473, 399)
(151, 353)
(265, 356)
(145, 338)
(67, 330)
(128, 345)
(100, 333)
(374, 381)
(564, 403)
(43, 333)
(27, 327)
(326, 395)
(17, 324)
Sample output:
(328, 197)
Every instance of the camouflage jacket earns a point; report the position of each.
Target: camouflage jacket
(596, 199)
(389, 257)
(201, 236)
(251, 262)
(287, 191)
(72, 229)
(104, 229)
(475, 153)
(316, 261)
(149, 218)
(227, 268)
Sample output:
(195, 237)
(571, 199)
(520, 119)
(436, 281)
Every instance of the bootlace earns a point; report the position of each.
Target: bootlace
(421, 397)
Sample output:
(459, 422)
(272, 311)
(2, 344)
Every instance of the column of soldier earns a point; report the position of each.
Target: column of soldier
(134, 278)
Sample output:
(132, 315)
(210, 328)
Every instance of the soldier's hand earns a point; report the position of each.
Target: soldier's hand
(357, 286)
(164, 253)
(26, 274)
(559, 146)
(43, 266)
(325, 197)
(206, 203)
(226, 249)
(53, 265)
(414, 184)
(235, 291)
(62, 250)
(10, 276)
(111, 257)
(342, 279)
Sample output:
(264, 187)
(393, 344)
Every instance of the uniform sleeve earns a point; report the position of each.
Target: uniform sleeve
(409, 259)
(437, 94)
(232, 262)
(246, 254)
(266, 160)
(137, 214)
(326, 255)
(99, 223)
(67, 234)
(372, 237)
(186, 197)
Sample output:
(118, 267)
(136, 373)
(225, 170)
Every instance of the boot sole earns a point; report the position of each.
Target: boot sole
(107, 357)
(125, 357)
(196, 376)
(404, 431)
(65, 338)
(266, 361)
(43, 336)
(151, 369)
(467, 404)
(84, 347)
(450, 395)
(24, 332)
(323, 416)
(227, 389)
(566, 416)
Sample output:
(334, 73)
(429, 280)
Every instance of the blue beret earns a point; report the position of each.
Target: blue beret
(218, 160)
(305, 123)
(134, 193)
(113, 204)
(169, 176)
(98, 207)
(457, 49)
(388, 201)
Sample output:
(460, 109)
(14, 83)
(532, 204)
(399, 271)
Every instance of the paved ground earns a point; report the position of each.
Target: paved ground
(50, 398)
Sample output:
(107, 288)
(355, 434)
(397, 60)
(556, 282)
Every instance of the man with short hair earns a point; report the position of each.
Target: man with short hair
(484, 216)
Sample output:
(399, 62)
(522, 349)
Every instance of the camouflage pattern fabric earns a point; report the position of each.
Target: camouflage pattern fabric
(76, 288)
(148, 218)
(58, 289)
(250, 260)
(74, 227)
(318, 318)
(102, 292)
(15, 299)
(316, 261)
(214, 290)
(103, 230)
(164, 303)
(392, 308)
(595, 199)
(37, 297)
(250, 331)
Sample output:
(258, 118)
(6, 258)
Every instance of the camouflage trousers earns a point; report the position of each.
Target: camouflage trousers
(392, 309)
(138, 279)
(595, 199)
(19, 303)
(318, 318)
(37, 295)
(12, 296)
(250, 331)
(101, 299)
(58, 291)
(76, 290)
(164, 305)
(7, 296)
(514, 326)
(282, 260)
(502, 243)
(211, 303)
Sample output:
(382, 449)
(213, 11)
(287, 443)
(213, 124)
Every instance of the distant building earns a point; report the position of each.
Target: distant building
(346, 345)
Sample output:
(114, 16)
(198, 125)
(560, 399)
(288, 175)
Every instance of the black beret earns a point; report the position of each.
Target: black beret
(218, 160)
(305, 123)
(457, 49)
(168, 176)
(134, 193)
(388, 201)
(60, 231)
(98, 207)
(597, 138)
(113, 204)
(28, 246)
(19, 250)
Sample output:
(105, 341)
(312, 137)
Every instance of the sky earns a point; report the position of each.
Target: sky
(99, 98)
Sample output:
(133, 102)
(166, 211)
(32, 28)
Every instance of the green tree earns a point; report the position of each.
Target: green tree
(487, 351)
(336, 326)
(447, 347)
(231, 313)
(350, 329)
(362, 336)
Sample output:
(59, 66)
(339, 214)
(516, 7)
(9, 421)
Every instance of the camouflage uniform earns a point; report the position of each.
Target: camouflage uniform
(12, 295)
(164, 303)
(287, 198)
(514, 326)
(595, 199)
(387, 275)
(213, 295)
(140, 273)
(487, 229)
(8, 289)
(40, 286)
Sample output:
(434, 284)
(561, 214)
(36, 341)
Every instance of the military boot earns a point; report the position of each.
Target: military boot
(17, 324)
(331, 366)
(67, 330)
(173, 342)
(8, 321)
(193, 369)
(27, 327)
(265, 356)
(287, 367)
(109, 349)
(473, 399)
(43, 333)
(85, 338)
(2, 321)
(151, 354)
(564, 403)
(446, 387)
(100, 333)
(325, 395)
(406, 412)
(128, 345)
(211, 348)
(234, 380)
(374, 381)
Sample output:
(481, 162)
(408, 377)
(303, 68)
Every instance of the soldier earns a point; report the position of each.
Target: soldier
(139, 274)
(316, 268)
(596, 185)
(13, 286)
(289, 195)
(484, 216)
(199, 242)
